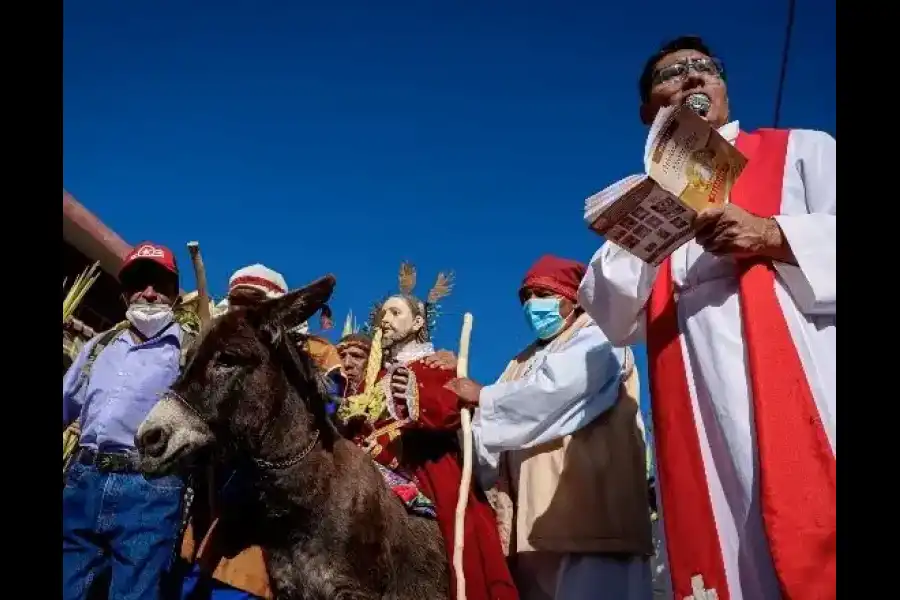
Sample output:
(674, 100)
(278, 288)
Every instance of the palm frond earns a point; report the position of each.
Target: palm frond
(79, 290)
(407, 278)
(441, 288)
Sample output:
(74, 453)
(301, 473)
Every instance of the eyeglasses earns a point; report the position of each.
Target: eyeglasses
(677, 71)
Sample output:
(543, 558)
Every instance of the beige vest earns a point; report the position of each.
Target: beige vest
(586, 492)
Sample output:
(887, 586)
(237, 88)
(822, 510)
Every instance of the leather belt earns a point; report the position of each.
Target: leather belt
(108, 462)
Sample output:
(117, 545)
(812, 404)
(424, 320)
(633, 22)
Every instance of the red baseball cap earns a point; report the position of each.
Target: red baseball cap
(148, 251)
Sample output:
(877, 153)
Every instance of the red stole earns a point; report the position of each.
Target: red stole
(797, 469)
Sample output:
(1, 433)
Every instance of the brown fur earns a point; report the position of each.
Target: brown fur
(329, 526)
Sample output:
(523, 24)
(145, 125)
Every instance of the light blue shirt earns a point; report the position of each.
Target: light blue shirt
(127, 379)
(563, 391)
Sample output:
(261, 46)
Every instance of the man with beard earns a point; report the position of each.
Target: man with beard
(562, 429)
(409, 423)
(740, 331)
(354, 349)
(116, 523)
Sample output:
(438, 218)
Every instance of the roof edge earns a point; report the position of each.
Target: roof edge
(82, 229)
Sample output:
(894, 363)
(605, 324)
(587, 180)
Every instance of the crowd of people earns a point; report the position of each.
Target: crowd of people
(739, 324)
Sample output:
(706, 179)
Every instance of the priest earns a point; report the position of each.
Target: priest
(740, 330)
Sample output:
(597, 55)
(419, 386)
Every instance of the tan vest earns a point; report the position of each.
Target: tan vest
(586, 492)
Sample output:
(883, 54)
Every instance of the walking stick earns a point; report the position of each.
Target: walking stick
(202, 291)
(465, 483)
(203, 313)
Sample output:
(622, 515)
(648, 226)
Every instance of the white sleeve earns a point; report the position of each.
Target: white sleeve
(614, 292)
(487, 464)
(568, 389)
(810, 183)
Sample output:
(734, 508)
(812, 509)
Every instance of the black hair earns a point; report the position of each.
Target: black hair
(684, 42)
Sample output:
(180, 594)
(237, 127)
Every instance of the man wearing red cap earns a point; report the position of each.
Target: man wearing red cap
(562, 432)
(114, 520)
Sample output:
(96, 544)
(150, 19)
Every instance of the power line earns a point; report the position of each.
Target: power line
(784, 61)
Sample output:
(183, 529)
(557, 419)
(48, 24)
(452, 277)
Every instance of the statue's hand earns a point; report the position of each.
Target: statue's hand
(399, 387)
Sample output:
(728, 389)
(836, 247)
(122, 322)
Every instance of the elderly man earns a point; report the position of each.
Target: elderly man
(354, 351)
(116, 522)
(740, 330)
(565, 422)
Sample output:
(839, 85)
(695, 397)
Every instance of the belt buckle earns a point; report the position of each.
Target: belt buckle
(113, 463)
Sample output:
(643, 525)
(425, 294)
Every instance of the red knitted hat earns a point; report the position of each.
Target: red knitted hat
(558, 275)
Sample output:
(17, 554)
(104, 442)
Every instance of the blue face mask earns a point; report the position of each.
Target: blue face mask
(543, 317)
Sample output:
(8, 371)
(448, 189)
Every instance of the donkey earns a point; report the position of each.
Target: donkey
(329, 526)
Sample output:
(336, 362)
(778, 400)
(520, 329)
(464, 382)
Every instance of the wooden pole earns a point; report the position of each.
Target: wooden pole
(205, 316)
(465, 483)
(202, 289)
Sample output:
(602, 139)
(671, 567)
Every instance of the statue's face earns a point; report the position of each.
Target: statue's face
(398, 322)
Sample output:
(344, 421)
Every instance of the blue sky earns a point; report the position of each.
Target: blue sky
(345, 139)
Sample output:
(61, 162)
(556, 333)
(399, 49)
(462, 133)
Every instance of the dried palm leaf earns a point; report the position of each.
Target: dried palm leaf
(407, 278)
(79, 289)
(441, 288)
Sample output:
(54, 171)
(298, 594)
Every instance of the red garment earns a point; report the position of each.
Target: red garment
(429, 449)
(558, 275)
(797, 467)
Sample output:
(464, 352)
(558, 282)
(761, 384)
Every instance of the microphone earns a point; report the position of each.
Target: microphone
(699, 103)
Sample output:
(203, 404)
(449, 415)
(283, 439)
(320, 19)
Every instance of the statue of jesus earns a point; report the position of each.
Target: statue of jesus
(409, 421)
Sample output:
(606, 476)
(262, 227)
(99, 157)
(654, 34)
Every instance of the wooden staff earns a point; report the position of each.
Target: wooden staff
(205, 317)
(465, 483)
(202, 291)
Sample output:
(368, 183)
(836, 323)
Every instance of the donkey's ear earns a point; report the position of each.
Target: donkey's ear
(298, 306)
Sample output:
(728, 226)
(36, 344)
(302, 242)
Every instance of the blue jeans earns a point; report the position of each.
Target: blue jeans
(122, 523)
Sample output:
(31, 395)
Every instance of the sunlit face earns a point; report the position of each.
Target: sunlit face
(682, 73)
(353, 362)
(398, 323)
(145, 282)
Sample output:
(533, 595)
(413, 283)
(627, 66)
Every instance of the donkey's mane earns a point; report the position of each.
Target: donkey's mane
(303, 375)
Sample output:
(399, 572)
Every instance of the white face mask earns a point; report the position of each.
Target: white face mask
(149, 319)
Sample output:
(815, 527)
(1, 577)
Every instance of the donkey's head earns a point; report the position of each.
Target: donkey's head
(247, 392)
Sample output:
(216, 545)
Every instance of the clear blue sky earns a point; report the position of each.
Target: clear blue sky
(344, 139)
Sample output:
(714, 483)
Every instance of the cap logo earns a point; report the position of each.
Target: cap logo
(148, 251)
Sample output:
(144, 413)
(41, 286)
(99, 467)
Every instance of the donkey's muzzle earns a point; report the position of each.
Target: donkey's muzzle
(152, 441)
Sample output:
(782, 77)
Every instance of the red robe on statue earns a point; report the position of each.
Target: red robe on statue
(427, 446)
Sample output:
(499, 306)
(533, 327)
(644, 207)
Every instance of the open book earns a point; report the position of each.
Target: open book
(688, 166)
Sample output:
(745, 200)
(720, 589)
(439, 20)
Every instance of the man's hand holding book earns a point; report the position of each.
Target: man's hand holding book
(731, 230)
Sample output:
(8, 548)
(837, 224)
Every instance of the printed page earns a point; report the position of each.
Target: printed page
(647, 221)
(690, 159)
(599, 207)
